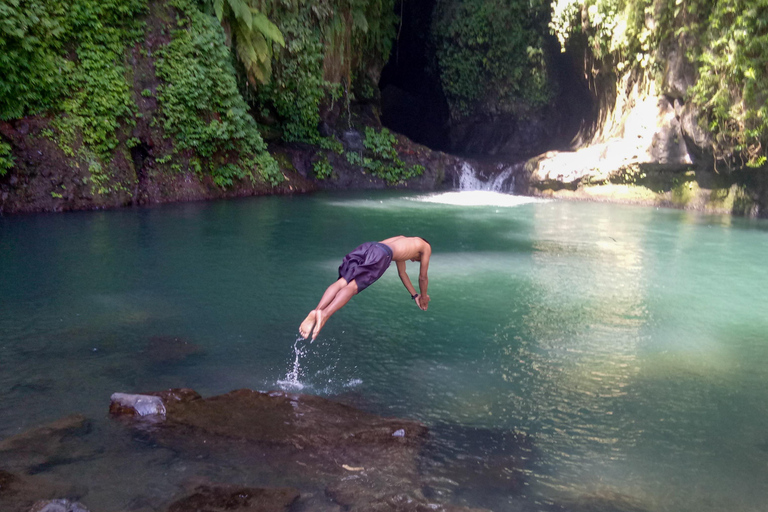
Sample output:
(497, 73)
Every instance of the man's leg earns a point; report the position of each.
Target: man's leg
(330, 293)
(342, 297)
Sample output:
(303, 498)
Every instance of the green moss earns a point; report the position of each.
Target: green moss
(6, 158)
(685, 190)
(322, 168)
(490, 55)
(200, 105)
(381, 159)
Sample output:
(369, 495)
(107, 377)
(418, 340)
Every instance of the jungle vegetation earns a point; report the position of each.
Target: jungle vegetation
(236, 72)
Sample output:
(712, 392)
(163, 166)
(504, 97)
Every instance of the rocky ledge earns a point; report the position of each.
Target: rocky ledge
(363, 461)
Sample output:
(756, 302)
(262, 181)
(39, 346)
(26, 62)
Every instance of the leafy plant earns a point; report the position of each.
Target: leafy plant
(490, 55)
(6, 157)
(323, 168)
(384, 162)
(201, 107)
(253, 36)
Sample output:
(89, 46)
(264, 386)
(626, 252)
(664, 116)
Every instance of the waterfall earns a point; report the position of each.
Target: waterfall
(503, 181)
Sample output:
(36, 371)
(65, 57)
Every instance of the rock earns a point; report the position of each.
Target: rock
(284, 418)
(169, 349)
(236, 499)
(353, 140)
(363, 461)
(123, 404)
(58, 506)
(47, 445)
(19, 493)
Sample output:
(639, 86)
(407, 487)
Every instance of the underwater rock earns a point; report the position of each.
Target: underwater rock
(58, 506)
(363, 461)
(236, 499)
(46, 446)
(18, 493)
(605, 500)
(489, 463)
(287, 419)
(169, 349)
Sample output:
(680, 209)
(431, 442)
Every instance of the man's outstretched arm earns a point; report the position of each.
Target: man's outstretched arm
(404, 278)
(423, 298)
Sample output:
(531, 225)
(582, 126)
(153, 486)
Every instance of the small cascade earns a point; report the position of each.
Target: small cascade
(501, 181)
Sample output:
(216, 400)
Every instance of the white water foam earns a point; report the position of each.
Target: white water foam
(478, 198)
(468, 180)
(475, 192)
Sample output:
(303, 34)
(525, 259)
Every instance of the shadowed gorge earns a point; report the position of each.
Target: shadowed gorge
(413, 101)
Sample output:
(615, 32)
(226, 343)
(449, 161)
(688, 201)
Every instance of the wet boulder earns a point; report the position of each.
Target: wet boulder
(45, 446)
(236, 499)
(58, 506)
(169, 350)
(21, 493)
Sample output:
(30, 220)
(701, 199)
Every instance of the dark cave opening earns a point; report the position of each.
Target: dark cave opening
(413, 103)
(412, 100)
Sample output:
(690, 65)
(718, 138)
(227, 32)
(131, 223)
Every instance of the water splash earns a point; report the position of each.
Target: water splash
(291, 380)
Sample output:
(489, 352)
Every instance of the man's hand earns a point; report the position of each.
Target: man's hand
(422, 301)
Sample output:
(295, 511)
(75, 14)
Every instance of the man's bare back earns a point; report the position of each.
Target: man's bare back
(355, 267)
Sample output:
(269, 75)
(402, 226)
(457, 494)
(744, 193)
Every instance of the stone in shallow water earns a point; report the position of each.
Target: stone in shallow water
(363, 461)
(46, 445)
(170, 349)
(20, 492)
(58, 506)
(236, 499)
(124, 404)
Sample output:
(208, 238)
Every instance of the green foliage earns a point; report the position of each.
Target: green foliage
(201, 107)
(37, 40)
(732, 89)
(383, 161)
(297, 88)
(101, 95)
(6, 158)
(253, 35)
(331, 144)
(32, 37)
(381, 144)
(490, 55)
(327, 42)
(323, 168)
(726, 39)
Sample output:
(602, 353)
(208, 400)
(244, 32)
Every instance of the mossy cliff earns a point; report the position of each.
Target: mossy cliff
(680, 115)
(106, 103)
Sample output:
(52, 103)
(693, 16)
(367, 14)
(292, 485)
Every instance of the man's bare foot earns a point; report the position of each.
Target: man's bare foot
(306, 326)
(320, 319)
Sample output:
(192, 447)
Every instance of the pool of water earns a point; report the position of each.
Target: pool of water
(573, 355)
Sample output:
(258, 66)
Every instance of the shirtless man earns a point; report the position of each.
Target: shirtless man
(365, 265)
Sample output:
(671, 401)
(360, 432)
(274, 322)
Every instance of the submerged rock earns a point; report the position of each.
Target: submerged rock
(58, 506)
(170, 349)
(20, 492)
(236, 499)
(45, 446)
(363, 461)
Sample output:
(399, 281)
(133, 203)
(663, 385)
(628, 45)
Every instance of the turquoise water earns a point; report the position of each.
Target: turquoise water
(572, 354)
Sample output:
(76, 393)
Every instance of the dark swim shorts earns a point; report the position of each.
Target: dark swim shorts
(366, 264)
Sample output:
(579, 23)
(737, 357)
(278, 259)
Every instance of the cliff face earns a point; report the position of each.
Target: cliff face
(646, 141)
(159, 110)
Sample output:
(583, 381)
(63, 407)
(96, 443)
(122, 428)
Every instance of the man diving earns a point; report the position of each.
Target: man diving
(362, 267)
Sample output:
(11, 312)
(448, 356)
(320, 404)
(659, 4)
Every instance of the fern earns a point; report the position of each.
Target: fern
(253, 36)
